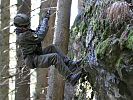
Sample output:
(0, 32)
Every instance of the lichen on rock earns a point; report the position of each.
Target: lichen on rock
(110, 48)
(108, 28)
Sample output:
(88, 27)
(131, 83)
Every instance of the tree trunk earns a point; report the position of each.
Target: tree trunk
(4, 49)
(42, 74)
(61, 38)
(22, 78)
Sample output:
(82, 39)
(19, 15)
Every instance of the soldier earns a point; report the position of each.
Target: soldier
(29, 42)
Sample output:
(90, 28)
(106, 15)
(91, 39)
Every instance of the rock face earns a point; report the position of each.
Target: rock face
(109, 43)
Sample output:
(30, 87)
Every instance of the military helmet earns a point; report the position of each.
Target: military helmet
(21, 20)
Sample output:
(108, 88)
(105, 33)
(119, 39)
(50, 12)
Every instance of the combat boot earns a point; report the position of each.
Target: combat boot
(73, 65)
(73, 78)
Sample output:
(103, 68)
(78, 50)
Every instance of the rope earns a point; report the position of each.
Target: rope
(23, 1)
(49, 5)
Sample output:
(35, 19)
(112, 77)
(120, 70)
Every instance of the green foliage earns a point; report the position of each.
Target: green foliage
(84, 89)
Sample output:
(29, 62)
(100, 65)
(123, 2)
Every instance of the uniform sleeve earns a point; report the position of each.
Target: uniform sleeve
(42, 29)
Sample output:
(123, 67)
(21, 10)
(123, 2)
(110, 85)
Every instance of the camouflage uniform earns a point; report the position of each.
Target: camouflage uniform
(34, 56)
(29, 42)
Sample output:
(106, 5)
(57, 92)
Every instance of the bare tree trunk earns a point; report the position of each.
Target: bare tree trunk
(61, 38)
(42, 74)
(23, 78)
(4, 49)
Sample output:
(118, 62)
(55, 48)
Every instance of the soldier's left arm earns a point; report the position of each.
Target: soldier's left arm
(41, 32)
(43, 27)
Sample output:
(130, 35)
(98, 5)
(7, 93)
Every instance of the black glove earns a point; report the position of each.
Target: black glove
(47, 15)
(44, 20)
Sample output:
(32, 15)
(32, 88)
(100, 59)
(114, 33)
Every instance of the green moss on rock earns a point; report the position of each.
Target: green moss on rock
(102, 47)
(83, 27)
(130, 40)
(105, 33)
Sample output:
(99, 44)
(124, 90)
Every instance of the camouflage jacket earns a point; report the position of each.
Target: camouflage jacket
(30, 41)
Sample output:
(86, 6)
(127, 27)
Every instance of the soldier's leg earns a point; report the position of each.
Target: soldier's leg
(44, 61)
(70, 63)
(54, 49)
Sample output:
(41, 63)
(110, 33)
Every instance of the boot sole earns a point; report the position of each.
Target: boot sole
(74, 81)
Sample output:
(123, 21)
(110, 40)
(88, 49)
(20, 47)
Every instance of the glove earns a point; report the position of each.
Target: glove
(47, 15)
(44, 20)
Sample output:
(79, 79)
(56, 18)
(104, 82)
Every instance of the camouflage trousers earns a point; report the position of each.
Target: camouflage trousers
(51, 56)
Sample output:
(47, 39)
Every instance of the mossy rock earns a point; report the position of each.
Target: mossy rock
(129, 41)
(108, 52)
(125, 61)
(83, 27)
(102, 47)
(105, 33)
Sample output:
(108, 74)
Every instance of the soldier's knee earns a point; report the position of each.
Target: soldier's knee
(56, 55)
(52, 46)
